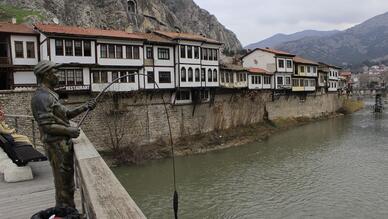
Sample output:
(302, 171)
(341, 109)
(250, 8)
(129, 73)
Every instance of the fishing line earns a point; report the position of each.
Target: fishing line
(175, 196)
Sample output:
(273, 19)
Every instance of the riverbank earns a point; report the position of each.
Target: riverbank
(213, 141)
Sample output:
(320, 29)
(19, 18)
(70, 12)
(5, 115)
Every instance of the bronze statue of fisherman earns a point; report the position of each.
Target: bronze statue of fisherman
(56, 132)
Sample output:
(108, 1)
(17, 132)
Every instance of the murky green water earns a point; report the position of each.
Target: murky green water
(331, 169)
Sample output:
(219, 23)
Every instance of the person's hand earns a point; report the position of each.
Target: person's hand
(74, 132)
(91, 104)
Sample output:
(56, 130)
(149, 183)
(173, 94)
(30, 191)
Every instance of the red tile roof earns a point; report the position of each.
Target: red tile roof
(301, 60)
(259, 71)
(186, 36)
(16, 28)
(154, 38)
(87, 32)
(276, 52)
(346, 73)
(273, 51)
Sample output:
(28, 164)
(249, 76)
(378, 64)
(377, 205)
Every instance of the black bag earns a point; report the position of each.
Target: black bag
(65, 213)
(20, 153)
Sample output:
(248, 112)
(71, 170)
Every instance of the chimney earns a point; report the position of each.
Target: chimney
(13, 21)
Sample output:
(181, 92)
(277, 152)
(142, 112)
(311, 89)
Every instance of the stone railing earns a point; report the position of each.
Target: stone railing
(102, 195)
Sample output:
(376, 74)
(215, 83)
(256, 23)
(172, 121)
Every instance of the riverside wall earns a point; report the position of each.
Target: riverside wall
(140, 118)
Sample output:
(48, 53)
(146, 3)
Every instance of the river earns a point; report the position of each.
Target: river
(329, 169)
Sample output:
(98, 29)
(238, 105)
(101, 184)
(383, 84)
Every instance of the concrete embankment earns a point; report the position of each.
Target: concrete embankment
(136, 124)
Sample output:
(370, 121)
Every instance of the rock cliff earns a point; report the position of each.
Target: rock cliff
(132, 15)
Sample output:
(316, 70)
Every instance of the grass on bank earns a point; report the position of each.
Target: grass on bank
(351, 106)
(7, 12)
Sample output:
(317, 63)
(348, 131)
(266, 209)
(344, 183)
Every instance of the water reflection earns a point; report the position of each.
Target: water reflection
(329, 169)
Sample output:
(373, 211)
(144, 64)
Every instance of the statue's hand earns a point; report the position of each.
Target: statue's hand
(91, 104)
(74, 132)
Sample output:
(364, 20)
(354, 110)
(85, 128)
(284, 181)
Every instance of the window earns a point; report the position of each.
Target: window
(149, 53)
(111, 51)
(209, 75)
(306, 83)
(314, 69)
(210, 54)
(189, 52)
(312, 83)
(70, 77)
(280, 80)
(30, 50)
(100, 77)
(96, 77)
(87, 48)
(203, 74)
(308, 69)
(131, 77)
(197, 78)
(124, 79)
(256, 79)
(289, 64)
(190, 75)
(103, 51)
(183, 75)
(164, 77)
(215, 54)
(288, 80)
(163, 53)
(281, 63)
(183, 52)
(131, 6)
(183, 95)
(59, 47)
(19, 52)
(78, 48)
(151, 77)
(115, 75)
(215, 75)
(79, 78)
(136, 52)
(196, 52)
(267, 79)
(119, 51)
(222, 77)
(295, 82)
(61, 78)
(68, 47)
(129, 53)
(204, 52)
(302, 69)
(104, 77)
(205, 95)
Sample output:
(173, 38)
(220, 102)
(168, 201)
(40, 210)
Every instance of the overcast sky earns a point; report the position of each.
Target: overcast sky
(255, 20)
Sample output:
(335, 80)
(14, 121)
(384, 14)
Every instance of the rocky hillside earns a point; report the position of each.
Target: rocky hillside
(132, 15)
(281, 38)
(365, 42)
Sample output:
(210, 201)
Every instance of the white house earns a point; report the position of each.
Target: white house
(260, 79)
(196, 65)
(159, 64)
(274, 61)
(91, 58)
(233, 76)
(18, 55)
(305, 75)
(333, 78)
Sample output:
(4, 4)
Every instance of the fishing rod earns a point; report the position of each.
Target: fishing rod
(175, 196)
